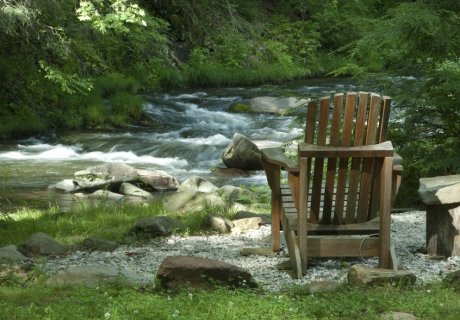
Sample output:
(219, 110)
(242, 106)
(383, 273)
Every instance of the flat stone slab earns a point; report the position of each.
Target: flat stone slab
(440, 190)
(361, 276)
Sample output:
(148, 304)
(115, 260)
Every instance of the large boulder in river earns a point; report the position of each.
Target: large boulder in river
(275, 105)
(105, 174)
(158, 179)
(242, 153)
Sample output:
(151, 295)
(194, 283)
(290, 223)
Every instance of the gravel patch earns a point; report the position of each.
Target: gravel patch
(407, 231)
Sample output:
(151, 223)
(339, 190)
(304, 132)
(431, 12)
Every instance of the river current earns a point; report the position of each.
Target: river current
(193, 128)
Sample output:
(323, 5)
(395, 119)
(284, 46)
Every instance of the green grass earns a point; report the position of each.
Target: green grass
(105, 220)
(25, 296)
(39, 302)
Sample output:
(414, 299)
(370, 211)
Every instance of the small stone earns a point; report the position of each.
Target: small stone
(398, 316)
(95, 243)
(218, 223)
(41, 244)
(362, 276)
(323, 286)
(201, 273)
(11, 255)
(157, 226)
(266, 252)
(246, 224)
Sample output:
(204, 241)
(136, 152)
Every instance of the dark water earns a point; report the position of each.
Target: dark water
(193, 130)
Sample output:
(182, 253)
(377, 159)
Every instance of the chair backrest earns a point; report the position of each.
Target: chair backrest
(340, 190)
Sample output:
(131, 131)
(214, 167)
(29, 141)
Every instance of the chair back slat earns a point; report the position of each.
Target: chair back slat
(342, 175)
(334, 140)
(311, 121)
(368, 163)
(384, 119)
(319, 162)
(373, 119)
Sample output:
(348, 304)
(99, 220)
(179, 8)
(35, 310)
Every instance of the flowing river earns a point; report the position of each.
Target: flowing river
(194, 128)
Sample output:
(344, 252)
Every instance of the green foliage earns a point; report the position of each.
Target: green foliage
(114, 15)
(430, 116)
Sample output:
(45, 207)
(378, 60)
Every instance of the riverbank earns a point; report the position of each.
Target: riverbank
(279, 295)
(408, 237)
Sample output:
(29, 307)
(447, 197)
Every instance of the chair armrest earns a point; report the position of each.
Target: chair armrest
(384, 149)
(277, 157)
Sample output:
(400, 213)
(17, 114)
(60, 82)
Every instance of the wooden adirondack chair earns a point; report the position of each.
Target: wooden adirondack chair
(341, 189)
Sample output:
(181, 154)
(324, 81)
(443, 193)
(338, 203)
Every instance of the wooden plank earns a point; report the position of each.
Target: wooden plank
(311, 121)
(372, 120)
(361, 119)
(385, 213)
(384, 119)
(276, 210)
(353, 196)
(302, 215)
(332, 162)
(343, 162)
(320, 246)
(293, 181)
(375, 192)
(368, 164)
(348, 119)
(295, 256)
(319, 162)
(381, 150)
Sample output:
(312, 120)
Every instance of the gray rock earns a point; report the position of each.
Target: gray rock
(66, 185)
(106, 195)
(129, 189)
(195, 272)
(397, 316)
(106, 174)
(242, 153)
(218, 223)
(452, 279)
(195, 183)
(192, 201)
(361, 276)
(232, 194)
(41, 244)
(243, 225)
(11, 255)
(440, 190)
(264, 144)
(99, 244)
(266, 218)
(157, 226)
(323, 286)
(275, 105)
(158, 179)
(92, 275)
(229, 172)
(265, 252)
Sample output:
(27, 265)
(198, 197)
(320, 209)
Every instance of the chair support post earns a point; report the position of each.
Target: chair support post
(385, 213)
(302, 213)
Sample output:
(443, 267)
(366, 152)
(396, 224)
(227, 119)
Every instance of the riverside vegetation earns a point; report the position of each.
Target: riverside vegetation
(85, 64)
